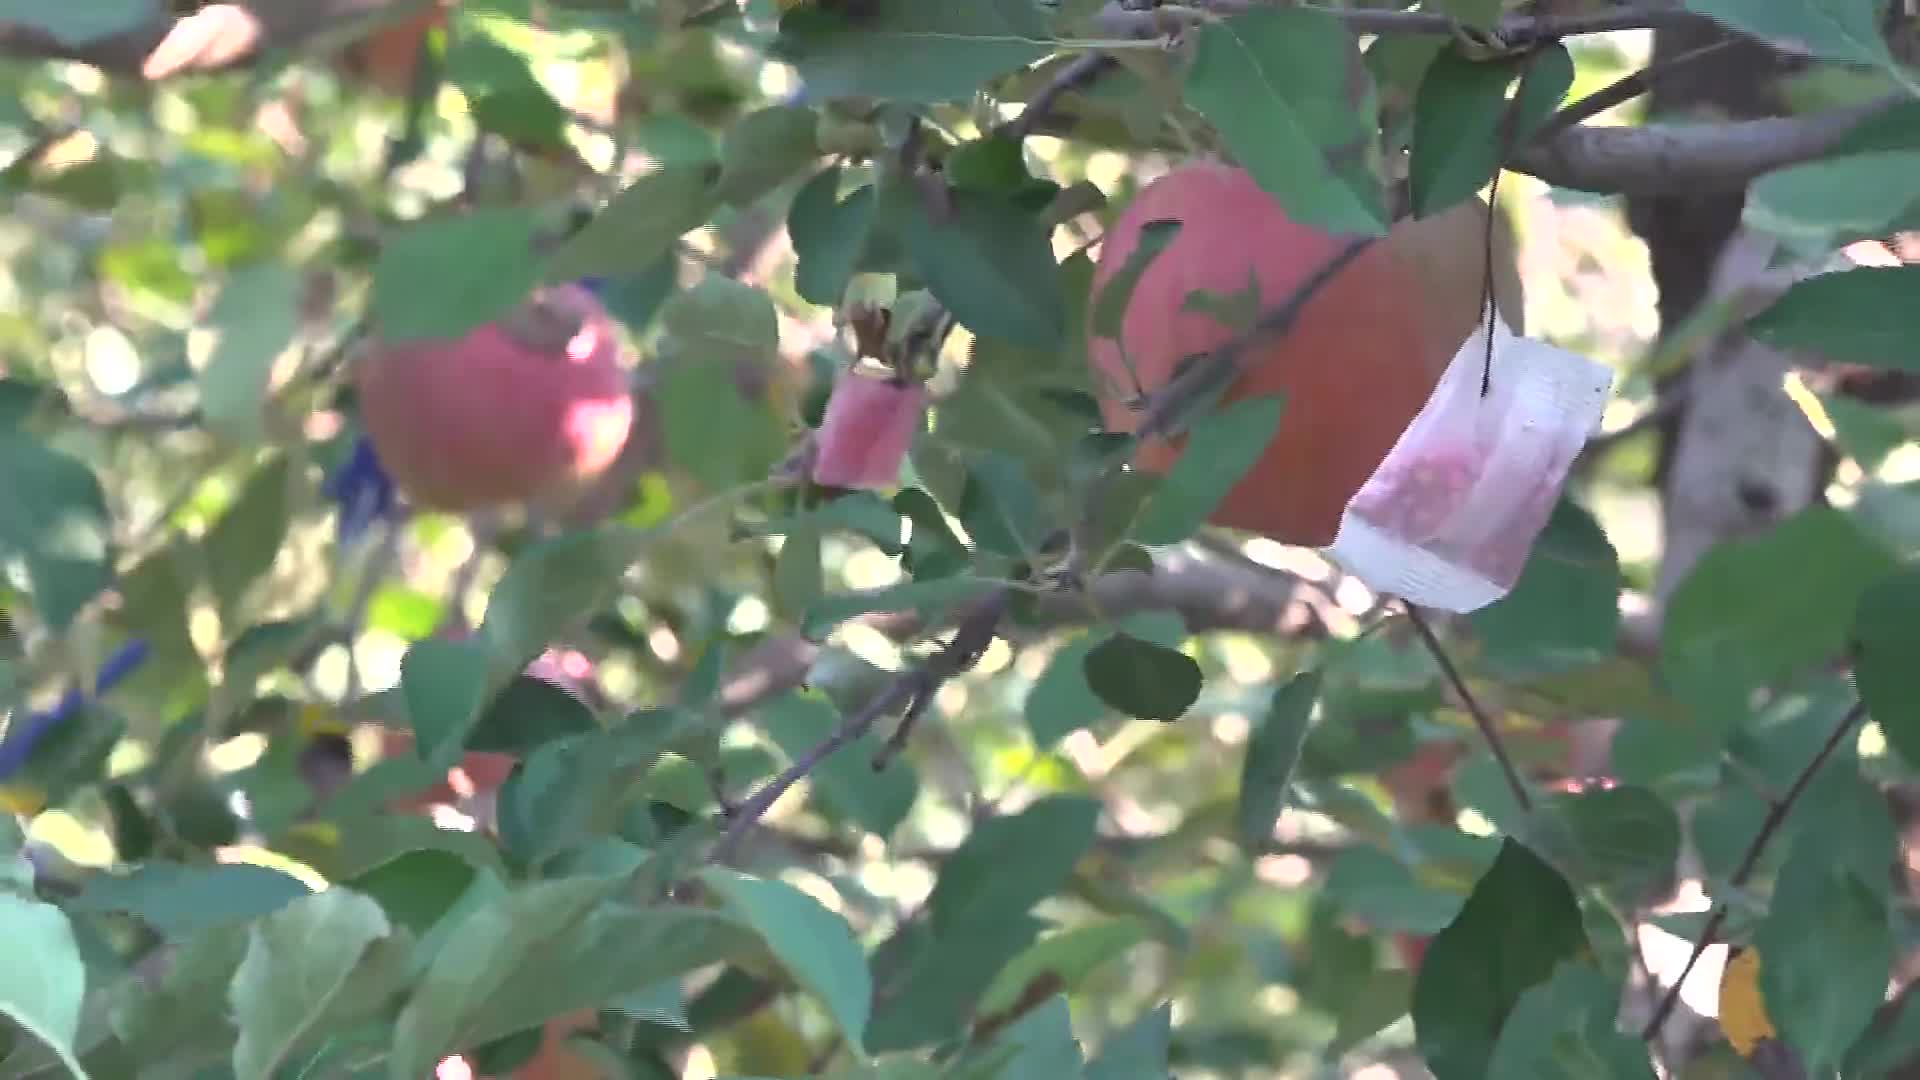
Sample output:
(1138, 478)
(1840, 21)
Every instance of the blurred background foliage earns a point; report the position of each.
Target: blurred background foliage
(187, 266)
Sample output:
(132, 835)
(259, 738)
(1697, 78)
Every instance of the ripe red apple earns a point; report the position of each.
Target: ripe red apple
(530, 405)
(1357, 365)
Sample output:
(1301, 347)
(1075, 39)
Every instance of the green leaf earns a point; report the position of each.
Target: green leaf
(763, 149)
(829, 234)
(77, 24)
(1886, 658)
(721, 437)
(529, 713)
(1220, 448)
(1138, 1051)
(1000, 508)
(1826, 950)
(252, 322)
(1038, 1046)
(54, 521)
(568, 790)
(1516, 928)
(1064, 959)
(928, 598)
(934, 549)
(997, 163)
(1008, 864)
(179, 900)
(182, 1023)
(444, 684)
(444, 277)
(1061, 701)
(1866, 433)
(1564, 611)
(1463, 124)
(1007, 400)
(1383, 892)
(1565, 1027)
(990, 262)
(553, 585)
(23, 402)
(314, 961)
(241, 547)
(1623, 838)
(1864, 316)
(1845, 30)
(908, 51)
(1820, 205)
(41, 991)
(931, 980)
(1141, 678)
(417, 888)
(1756, 610)
(1110, 307)
(797, 577)
(1278, 85)
(862, 513)
(720, 320)
(640, 224)
(1380, 998)
(1273, 750)
(816, 946)
(845, 784)
(503, 95)
(477, 958)
(543, 951)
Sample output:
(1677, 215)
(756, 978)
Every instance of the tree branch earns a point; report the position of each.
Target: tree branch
(908, 693)
(1516, 29)
(1628, 87)
(1750, 859)
(1660, 159)
(1481, 718)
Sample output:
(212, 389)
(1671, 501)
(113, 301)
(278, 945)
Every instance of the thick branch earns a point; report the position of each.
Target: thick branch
(1660, 159)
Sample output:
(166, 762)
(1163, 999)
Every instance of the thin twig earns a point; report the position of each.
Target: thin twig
(901, 695)
(1073, 75)
(1166, 408)
(1481, 718)
(1515, 30)
(1750, 860)
(1625, 89)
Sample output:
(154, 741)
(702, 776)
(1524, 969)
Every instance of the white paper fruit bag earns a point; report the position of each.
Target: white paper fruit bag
(1448, 518)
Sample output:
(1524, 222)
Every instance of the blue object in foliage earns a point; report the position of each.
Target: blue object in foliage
(362, 489)
(25, 735)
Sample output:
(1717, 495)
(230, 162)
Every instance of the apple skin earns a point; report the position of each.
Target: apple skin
(530, 405)
(1357, 365)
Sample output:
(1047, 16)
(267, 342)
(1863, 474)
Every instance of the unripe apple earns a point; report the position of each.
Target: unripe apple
(1357, 365)
(532, 404)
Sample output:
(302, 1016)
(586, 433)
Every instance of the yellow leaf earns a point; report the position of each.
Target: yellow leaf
(1743, 1015)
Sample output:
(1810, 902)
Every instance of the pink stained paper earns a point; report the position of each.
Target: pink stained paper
(1448, 518)
(869, 426)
